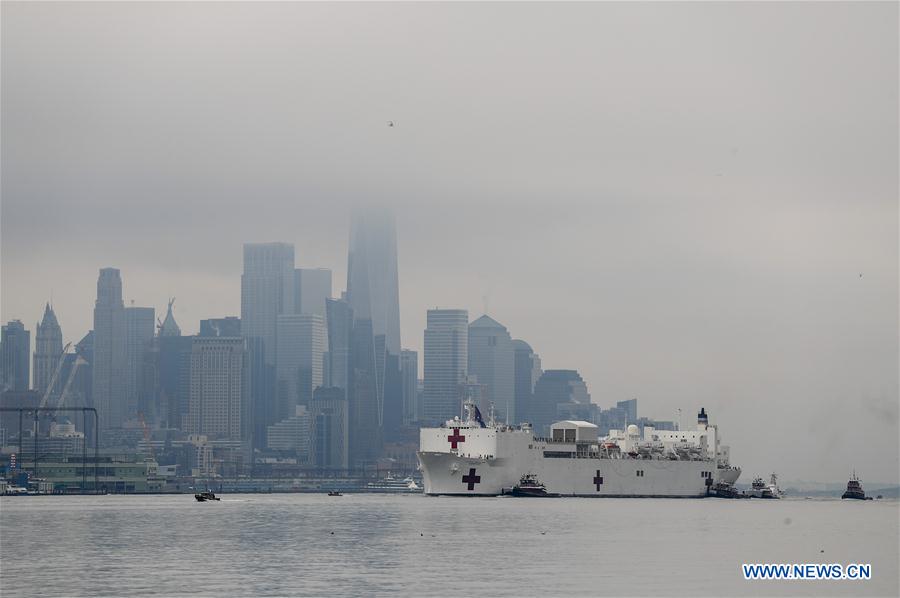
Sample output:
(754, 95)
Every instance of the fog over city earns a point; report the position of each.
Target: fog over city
(695, 205)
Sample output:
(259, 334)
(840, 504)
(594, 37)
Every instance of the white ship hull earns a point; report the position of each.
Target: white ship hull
(449, 474)
(466, 459)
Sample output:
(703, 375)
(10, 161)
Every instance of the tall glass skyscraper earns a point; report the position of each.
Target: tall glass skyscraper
(267, 291)
(374, 295)
(446, 363)
(300, 361)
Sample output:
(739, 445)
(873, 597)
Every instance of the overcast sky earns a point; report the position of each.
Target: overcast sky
(691, 204)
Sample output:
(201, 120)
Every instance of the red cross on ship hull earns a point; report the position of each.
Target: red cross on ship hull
(455, 438)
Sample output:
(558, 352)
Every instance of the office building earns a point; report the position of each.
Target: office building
(140, 323)
(446, 363)
(630, 409)
(330, 429)
(15, 347)
(48, 349)
(216, 402)
(312, 287)
(300, 360)
(555, 388)
(109, 363)
(291, 435)
(373, 294)
(339, 322)
(267, 291)
(491, 360)
(527, 367)
(409, 372)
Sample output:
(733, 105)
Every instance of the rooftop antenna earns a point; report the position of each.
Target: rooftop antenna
(679, 419)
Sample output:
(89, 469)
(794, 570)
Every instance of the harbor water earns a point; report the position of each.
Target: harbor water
(412, 545)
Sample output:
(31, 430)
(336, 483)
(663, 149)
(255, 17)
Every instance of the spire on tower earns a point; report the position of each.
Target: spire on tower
(169, 327)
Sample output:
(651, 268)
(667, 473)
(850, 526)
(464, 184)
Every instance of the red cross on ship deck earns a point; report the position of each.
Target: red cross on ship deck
(598, 480)
(471, 479)
(456, 438)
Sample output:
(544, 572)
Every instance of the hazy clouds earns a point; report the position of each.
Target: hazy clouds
(678, 200)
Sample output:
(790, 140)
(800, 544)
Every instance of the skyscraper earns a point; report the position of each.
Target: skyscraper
(15, 346)
(366, 430)
(300, 360)
(312, 286)
(373, 293)
(446, 363)
(557, 395)
(267, 291)
(630, 408)
(330, 429)
(491, 360)
(170, 327)
(85, 380)
(339, 322)
(409, 372)
(109, 350)
(48, 349)
(139, 325)
(174, 373)
(527, 371)
(216, 404)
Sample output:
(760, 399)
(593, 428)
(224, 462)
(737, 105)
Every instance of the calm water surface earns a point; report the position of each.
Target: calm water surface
(293, 544)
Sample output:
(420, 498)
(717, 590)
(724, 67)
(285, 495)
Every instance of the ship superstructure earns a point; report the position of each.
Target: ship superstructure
(471, 457)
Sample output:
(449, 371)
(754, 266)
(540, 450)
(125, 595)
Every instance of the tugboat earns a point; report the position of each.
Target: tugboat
(854, 490)
(726, 490)
(205, 496)
(529, 486)
(759, 489)
(334, 493)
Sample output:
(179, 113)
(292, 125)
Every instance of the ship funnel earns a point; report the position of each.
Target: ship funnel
(702, 419)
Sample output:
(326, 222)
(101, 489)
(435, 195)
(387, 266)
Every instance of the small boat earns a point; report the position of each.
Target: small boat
(855, 490)
(529, 486)
(205, 496)
(726, 490)
(334, 493)
(759, 489)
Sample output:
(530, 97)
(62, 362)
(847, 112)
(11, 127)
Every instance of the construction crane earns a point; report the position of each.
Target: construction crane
(53, 378)
(79, 361)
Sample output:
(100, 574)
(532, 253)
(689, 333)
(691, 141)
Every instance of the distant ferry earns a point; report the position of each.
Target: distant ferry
(474, 458)
(391, 484)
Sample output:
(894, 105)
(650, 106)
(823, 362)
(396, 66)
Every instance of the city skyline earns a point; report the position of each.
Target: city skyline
(706, 216)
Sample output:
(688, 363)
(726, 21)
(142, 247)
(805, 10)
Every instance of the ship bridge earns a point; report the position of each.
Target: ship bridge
(576, 431)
